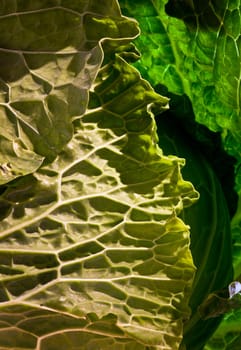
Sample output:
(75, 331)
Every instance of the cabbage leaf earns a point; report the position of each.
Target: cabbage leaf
(92, 251)
(193, 48)
(196, 54)
(48, 62)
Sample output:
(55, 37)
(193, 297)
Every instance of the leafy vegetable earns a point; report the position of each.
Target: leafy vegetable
(92, 251)
(197, 55)
(193, 48)
(210, 229)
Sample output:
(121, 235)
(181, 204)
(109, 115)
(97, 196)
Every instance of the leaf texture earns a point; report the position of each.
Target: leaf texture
(92, 252)
(194, 50)
(48, 62)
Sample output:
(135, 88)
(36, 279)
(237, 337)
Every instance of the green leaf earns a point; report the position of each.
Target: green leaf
(100, 235)
(227, 335)
(209, 221)
(193, 48)
(92, 251)
(48, 62)
(196, 54)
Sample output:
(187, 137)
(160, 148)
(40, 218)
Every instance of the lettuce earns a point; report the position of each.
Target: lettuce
(94, 253)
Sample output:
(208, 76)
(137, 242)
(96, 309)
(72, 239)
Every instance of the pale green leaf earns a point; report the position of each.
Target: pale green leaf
(92, 252)
(50, 53)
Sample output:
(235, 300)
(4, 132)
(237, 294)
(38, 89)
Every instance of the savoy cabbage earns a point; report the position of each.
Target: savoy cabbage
(192, 49)
(114, 228)
(93, 251)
